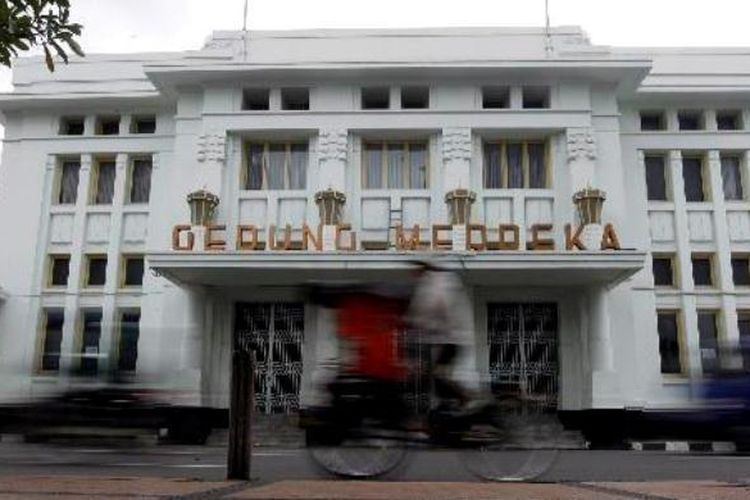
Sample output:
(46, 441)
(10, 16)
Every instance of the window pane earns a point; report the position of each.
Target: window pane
(134, 271)
(92, 331)
(743, 324)
(97, 271)
(663, 275)
(418, 166)
(702, 275)
(276, 166)
(731, 177)
(709, 342)
(105, 183)
(128, 348)
(741, 271)
(492, 166)
(652, 121)
(144, 125)
(140, 188)
(298, 167)
(396, 166)
(656, 184)
(60, 270)
(669, 346)
(515, 167)
(537, 170)
(692, 172)
(254, 179)
(52, 340)
(69, 182)
(373, 166)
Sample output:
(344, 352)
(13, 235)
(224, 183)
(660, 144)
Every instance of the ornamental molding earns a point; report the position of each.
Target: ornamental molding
(334, 144)
(581, 145)
(457, 144)
(212, 148)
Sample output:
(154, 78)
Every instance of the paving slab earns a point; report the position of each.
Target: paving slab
(683, 490)
(373, 490)
(95, 487)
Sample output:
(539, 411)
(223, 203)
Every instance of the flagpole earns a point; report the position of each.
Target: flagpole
(547, 32)
(244, 33)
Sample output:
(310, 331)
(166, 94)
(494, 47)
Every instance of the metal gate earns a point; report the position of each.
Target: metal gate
(523, 355)
(274, 332)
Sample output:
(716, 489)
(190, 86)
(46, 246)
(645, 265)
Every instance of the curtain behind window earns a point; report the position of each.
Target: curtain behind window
(731, 177)
(537, 170)
(692, 172)
(515, 166)
(140, 187)
(492, 166)
(298, 166)
(105, 183)
(254, 178)
(396, 163)
(276, 166)
(418, 166)
(69, 182)
(656, 183)
(373, 166)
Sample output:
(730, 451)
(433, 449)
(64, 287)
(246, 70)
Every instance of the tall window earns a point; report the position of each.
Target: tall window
(105, 182)
(276, 165)
(669, 342)
(90, 336)
(59, 270)
(741, 270)
(515, 165)
(68, 188)
(656, 178)
(140, 180)
(692, 173)
(395, 165)
(703, 274)
(743, 325)
(53, 331)
(663, 270)
(96, 270)
(708, 334)
(731, 177)
(127, 352)
(132, 270)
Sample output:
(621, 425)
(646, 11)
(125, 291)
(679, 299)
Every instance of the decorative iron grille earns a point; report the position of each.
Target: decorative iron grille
(274, 332)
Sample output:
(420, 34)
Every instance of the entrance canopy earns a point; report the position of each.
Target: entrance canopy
(536, 268)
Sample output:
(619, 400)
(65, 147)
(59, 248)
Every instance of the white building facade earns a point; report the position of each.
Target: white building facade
(103, 267)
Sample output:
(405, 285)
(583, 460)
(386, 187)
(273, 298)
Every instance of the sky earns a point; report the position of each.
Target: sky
(165, 25)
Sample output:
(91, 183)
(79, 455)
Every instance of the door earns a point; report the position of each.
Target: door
(274, 332)
(523, 355)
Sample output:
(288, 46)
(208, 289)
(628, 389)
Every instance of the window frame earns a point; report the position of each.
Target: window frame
(102, 120)
(490, 94)
(705, 178)
(131, 172)
(51, 259)
(531, 92)
(710, 257)
(737, 257)
(740, 171)
(81, 340)
(672, 267)
(364, 90)
(407, 145)
(121, 312)
(525, 163)
(686, 114)
(59, 170)
(681, 355)
(66, 121)
(124, 270)
(718, 328)
(88, 258)
(137, 120)
(94, 181)
(665, 172)
(288, 144)
(660, 115)
(734, 114)
(247, 97)
(42, 341)
(285, 95)
(416, 89)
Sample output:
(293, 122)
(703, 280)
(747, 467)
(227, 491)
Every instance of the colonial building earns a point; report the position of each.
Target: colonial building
(159, 208)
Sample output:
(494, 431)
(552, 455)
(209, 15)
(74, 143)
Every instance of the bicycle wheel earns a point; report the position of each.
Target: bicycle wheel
(358, 458)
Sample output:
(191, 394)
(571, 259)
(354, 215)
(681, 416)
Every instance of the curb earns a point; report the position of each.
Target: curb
(685, 446)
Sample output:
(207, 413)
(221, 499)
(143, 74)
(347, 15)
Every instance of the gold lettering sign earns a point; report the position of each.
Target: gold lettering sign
(247, 244)
(212, 242)
(410, 243)
(482, 230)
(610, 241)
(539, 243)
(439, 243)
(285, 244)
(307, 236)
(340, 230)
(177, 240)
(573, 240)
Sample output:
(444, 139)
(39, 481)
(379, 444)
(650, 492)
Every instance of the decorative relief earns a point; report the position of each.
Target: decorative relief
(581, 145)
(457, 144)
(334, 144)
(219, 43)
(212, 148)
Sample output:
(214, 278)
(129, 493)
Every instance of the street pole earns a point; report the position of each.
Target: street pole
(240, 414)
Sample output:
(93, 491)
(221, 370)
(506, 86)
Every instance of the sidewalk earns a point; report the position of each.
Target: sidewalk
(83, 487)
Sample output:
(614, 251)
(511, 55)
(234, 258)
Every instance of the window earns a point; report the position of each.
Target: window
(692, 173)
(708, 341)
(702, 270)
(669, 342)
(690, 120)
(295, 99)
(495, 97)
(105, 182)
(535, 97)
(53, 331)
(72, 125)
(140, 180)
(68, 188)
(515, 165)
(741, 270)
(276, 165)
(256, 99)
(132, 270)
(731, 177)
(395, 165)
(127, 352)
(107, 125)
(663, 270)
(656, 178)
(729, 120)
(59, 269)
(415, 97)
(96, 270)
(653, 120)
(145, 124)
(376, 98)
(743, 325)
(90, 336)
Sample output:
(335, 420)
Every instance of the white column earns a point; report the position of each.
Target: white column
(600, 341)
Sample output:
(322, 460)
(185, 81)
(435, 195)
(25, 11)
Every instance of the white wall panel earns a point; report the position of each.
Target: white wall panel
(134, 228)
(97, 228)
(661, 226)
(701, 226)
(498, 211)
(61, 228)
(538, 211)
(738, 224)
(253, 212)
(375, 213)
(416, 211)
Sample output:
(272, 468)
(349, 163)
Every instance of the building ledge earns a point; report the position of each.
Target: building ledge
(539, 268)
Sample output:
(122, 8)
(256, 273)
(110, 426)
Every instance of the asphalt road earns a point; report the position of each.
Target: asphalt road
(134, 458)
